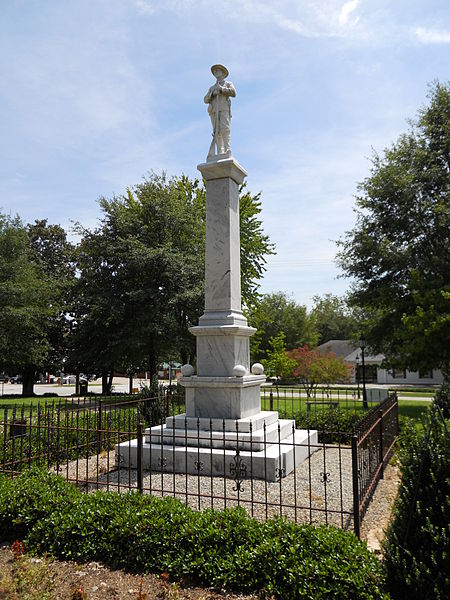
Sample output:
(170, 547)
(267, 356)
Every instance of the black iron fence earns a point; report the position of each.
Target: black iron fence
(147, 444)
(372, 448)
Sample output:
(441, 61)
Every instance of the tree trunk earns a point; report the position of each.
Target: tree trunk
(130, 381)
(152, 362)
(28, 376)
(104, 382)
(110, 380)
(77, 384)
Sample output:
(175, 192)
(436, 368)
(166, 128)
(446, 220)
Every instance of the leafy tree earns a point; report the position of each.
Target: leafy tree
(417, 543)
(278, 364)
(333, 318)
(54, 257)
(28, 305)
(314, 368)
(142, 274)
(255, 246)
(141, 277)
(53, 254)
(399, 251)
(276, 313)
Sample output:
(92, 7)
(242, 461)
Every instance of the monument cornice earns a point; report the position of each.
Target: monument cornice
(222, 382)
(222, 330)
(221, 169)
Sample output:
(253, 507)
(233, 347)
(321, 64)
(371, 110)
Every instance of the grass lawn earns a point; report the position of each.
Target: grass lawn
(62, 402)
(408, 394)
(413, 408)
(287, 404)
(10, 403)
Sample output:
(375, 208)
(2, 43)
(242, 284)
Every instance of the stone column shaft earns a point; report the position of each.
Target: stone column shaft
(222, 333)
(222, 265)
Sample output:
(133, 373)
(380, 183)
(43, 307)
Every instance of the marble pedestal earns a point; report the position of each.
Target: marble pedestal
(223, 432)
(262, 447)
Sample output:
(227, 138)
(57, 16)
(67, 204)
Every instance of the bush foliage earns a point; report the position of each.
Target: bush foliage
(417, 544)
(227, 549)
(333, 424)
(443, 399)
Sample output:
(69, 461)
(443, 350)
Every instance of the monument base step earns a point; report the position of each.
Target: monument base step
(221, 438)
(270, 464)
(245, 425)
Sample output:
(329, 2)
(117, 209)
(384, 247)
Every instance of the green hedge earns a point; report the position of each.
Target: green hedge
(225, 549)
(417, 544)
(333, 424)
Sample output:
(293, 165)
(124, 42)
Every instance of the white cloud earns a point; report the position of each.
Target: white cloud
(145, 7)
(432, 36)
(348, 8)
(309, 18)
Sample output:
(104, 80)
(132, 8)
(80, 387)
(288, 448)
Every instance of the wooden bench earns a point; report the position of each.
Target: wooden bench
(331, 403)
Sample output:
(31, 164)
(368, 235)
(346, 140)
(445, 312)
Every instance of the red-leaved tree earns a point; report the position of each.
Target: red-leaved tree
(314, 368)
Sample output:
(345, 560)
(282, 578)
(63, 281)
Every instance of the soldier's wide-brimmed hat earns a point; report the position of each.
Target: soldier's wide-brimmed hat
(224, 69)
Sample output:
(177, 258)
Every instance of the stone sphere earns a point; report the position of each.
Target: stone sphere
(257, 369)
(239, 371)
(187, 370)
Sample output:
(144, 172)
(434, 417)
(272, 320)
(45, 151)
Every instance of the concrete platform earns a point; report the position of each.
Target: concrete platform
(273, 462)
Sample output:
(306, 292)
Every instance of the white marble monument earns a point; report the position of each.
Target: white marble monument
(224, 431)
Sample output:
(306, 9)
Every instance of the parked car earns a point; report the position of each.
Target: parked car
(4, 378)
(16, 379)
(88, 376)
(70, 379)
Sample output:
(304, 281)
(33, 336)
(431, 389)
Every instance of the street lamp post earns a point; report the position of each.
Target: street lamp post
(362, 345)
(357, 375)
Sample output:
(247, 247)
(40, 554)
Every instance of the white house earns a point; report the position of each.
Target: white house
(374, 373)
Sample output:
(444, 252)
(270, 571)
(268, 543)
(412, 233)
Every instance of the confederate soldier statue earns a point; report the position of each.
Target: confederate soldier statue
(219, 109)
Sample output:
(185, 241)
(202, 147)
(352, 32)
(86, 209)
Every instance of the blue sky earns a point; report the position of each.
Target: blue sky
(95, 94)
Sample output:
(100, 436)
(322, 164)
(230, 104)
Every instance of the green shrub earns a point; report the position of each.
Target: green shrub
(152, 408)
(226, 549)
(443, 399)
(25, 500)
(417, 544)
(333, 424)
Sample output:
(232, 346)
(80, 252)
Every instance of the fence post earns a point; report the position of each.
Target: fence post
(271, 401)
(380, 415)
(168, 395)
(5, 438)
(396, 413)
(139, 468)
(356, 514)
(99, 425)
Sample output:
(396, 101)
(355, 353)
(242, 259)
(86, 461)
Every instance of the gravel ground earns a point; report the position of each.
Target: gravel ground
(305, 496)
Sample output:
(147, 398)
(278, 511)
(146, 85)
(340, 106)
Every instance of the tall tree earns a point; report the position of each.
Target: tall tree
(333, 318)
(399, 251)
(28, 305)
(54, 256)
(142, 274)
(276, 313)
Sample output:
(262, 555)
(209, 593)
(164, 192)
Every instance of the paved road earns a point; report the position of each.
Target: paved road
(120, 384)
